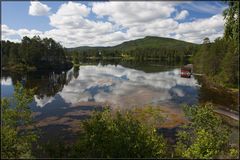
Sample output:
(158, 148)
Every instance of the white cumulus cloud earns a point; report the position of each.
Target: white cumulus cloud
(6, 31)
(110, 23)
(73, 28)
(133, 13)
(29, 33)
(73, 8)
(182, 15)
(195, 31)
(38, 9)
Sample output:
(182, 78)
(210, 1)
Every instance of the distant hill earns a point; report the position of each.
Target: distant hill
(147, 42)
(154, 42)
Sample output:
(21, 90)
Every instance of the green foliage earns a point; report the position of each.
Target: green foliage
(234, 153)
(220, 60)
(16, 117)
(231, 16)
(206, 40)
(231, 34)
(34, 52)
(130, 134)
(157, 48)
(118, 136)
(203, 146)
(229, 66)
(204, 137)
(56, 148)
(76, 58)
(154, 42)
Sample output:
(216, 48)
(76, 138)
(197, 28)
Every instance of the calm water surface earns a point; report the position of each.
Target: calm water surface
(63, 98)
(114, 85)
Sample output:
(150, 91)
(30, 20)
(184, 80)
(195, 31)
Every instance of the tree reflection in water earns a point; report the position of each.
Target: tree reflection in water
(46, 83)
(76, 72)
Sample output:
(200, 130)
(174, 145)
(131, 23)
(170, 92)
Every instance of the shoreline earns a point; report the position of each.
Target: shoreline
(221, 97)
(26, 68)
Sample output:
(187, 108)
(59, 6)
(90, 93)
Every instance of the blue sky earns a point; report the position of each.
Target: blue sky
(110, 23)
(15, 14)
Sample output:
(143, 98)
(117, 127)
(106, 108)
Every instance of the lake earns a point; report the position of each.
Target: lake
(63, 98)
(113, 85)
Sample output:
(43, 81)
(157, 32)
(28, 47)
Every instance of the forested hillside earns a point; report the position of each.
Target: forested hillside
(219, 60)
(158, 48)
(154, 42)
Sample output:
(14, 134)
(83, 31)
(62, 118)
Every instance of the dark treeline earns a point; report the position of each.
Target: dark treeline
(33, 53)
(163, 54)
(219, 60)
(139, 54)
(148, 48)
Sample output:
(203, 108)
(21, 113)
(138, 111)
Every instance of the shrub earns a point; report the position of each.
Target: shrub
(118, 136)
(16, 116)
(204, 137)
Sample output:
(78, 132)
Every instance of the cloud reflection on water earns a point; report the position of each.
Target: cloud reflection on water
(6, 86)
(120, 86)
